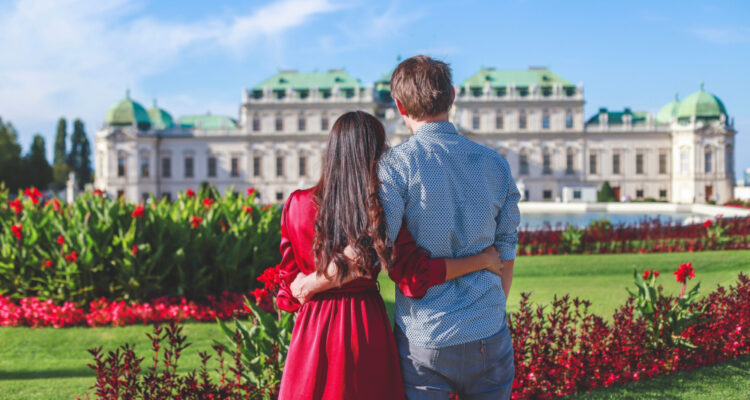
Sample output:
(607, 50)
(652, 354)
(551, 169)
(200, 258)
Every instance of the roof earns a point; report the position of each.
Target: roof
(384, 83)
(521, 78)
(307, 80)
(616, 117)
(664, 116)
(702, 105)
(207, 122)
(127, 112)
(160, 118)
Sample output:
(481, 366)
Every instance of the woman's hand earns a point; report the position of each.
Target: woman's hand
(492, 261)
(301, 288)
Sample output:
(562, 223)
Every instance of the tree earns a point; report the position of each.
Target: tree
(61, 168)
(38, 171)
(606, 194)
(79, 158)
(10, 157)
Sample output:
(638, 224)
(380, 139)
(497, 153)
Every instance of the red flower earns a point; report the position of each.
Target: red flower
(190, 193)
(134, 249)
(61, 240)
(266, 207)
(656, 273)
(55, 205)
(646, 274)
(72, 257)
(250, 191)
(33, 193)
(208, 202)
(248, 209)
(16, 206)
(708, 223)
(684, 272)
(98, 192)
(139, 212)
(17, 231)
(47, 264)
(195, 221)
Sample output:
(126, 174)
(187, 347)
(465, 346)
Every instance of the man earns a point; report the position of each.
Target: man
(456, 197)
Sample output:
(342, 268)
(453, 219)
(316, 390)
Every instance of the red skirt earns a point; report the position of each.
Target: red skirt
(343, 348)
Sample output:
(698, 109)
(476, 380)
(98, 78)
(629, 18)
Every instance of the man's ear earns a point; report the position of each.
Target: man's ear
(453, 89)
(401, 108)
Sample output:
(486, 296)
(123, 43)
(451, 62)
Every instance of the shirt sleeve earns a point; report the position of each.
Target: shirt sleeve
(506, 230)
(392, 194)
(288, 268)
(413, 270)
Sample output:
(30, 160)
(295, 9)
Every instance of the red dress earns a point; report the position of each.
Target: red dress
(342, 345)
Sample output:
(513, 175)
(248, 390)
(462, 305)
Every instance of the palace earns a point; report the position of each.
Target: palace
(534, 118)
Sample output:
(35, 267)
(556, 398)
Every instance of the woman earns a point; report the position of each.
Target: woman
(333, 239)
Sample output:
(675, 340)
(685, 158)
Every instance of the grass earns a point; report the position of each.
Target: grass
(49, 363)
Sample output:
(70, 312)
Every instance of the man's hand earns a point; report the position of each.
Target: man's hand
(492, 261)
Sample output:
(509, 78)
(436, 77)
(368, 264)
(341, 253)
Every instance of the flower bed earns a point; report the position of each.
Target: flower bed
(648, 236)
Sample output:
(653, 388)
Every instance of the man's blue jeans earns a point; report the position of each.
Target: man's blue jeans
(480, 370)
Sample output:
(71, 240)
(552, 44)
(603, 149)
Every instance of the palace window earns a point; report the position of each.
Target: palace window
(545, 121)
(166, 167)
(475, 121)
(729, 157)
(325, 93)
(568, 120)
(546, 163)
(145, 165)
(121, 165)
(256, 165)
(592, 164)
(302, 165)
(577, 194)
(499, 121)
(615, 164)
(569, 160)
(639, 194)
(235, 167)
(639, 164)
(522, 120)
(547, 195)
(708, 160)
(523, 164)
(663, 194)
(279, 166)
(189, 166)
(684, 162)
(256, 123)
(279, 196)
(324, 124)
(301, 123)
(662, 163)
(279, 123)
(212, 167)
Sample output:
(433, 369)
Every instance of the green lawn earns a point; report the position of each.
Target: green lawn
(51, 363)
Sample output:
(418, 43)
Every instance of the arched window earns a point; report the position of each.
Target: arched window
(122, 158)
(145, 162)
(570, 162)
(684, 161)
(729, 156)
(546, 162)
(708, 159)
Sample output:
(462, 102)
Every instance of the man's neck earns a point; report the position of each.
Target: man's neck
(414, 124)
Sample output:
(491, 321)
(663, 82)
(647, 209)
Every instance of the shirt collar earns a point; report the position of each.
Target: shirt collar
(436, 128)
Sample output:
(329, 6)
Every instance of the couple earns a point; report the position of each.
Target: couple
(439, 213)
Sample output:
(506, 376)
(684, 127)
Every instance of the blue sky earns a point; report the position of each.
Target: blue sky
(75, 58)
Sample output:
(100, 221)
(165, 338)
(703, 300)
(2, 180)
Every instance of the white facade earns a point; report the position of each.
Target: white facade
(278, 143)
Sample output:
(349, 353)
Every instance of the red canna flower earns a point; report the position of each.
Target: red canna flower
(61, 240)
(16, 206)
(646, 274)
(190, 193)
(248, 209)
(17, 231)
(55, 205)
(708, 223)
(134, 249)
(656, 273)
(196, 221)
(684, 272)
(98, 192)
(47, 264)
(266, 207)
(208, 202)
(72, 257)
(34, 194)
(250, 191)
(139, 212)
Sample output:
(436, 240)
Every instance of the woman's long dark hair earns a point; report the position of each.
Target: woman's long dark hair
(349, 209)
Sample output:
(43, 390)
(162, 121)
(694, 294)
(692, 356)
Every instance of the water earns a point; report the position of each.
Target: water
(540, 220)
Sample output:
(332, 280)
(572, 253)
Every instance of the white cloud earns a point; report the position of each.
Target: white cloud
(723, 35)
(72, 57)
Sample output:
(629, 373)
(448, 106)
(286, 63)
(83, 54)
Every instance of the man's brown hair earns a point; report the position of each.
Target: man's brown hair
(423, 86)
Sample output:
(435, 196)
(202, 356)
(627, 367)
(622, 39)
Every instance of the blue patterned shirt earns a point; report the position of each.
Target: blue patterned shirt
(457, 197)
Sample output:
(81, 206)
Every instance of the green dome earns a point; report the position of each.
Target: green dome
(160, 118)
(668, 111)
(128, 112)
(702, 105)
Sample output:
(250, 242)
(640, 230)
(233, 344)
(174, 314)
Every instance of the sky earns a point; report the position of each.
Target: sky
(75, 58)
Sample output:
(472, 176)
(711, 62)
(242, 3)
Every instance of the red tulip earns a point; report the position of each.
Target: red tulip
(72, 257)
(208, 202)
(47, 264)
(656, 273)
(708, 223)
(646, 274)
(139, 212)
(250, 191)
(17, 231)
(190, 193)
(16, 206)
(196, 221)
(134, 249)
(61, 240)
(248, 209)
